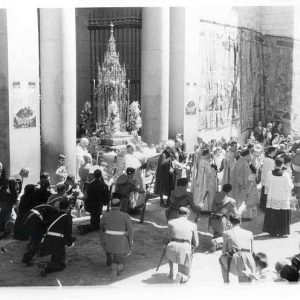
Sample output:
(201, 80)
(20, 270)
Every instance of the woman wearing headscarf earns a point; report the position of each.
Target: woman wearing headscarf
(8, 197)
(26, 204)
(2, 175)
(42, 194)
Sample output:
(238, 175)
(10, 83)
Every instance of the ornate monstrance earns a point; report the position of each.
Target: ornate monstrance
(112, 92)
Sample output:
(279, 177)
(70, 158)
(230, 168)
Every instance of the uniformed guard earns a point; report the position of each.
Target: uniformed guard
(58, 234)
(126, 185)
(237, 252)
(183, 238)
(36, 223)
(116, 236)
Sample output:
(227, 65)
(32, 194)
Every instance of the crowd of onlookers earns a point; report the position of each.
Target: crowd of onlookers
(16, 201)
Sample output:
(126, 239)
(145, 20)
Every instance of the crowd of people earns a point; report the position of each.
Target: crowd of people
(220, 178)
(224, 179)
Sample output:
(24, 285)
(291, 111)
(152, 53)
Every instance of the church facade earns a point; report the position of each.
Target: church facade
(193, 71)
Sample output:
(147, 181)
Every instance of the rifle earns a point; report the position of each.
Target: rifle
(109, 199)
(202, 202)
(162, 257)
(145, 204)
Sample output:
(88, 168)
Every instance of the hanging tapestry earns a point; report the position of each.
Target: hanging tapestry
(219, 82)
(251, 79)
(278, 82)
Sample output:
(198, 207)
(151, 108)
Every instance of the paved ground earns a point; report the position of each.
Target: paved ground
(86, 261)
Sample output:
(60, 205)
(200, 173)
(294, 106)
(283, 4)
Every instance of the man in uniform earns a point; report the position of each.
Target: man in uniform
(183, 238)
(116, 236)
(237, 252)
(125, 186)
(58, 235)
(97, 196)
(180, 197)
(37, 222)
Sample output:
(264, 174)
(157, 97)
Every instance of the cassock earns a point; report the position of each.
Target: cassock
(205, 185)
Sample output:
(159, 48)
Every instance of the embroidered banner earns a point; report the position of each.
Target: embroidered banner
(219, 77)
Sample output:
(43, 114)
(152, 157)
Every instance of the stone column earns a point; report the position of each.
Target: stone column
(58, 87)
(4, 100)
(177, 70)
(19, 91)
(155, 74)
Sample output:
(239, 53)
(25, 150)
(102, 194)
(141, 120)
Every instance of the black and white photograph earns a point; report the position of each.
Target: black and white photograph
(152, 145)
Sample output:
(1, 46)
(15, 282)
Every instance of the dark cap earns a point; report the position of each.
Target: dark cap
(115, 201)
(130, 171)
(182, 182)
(97, 173)
(234, 219)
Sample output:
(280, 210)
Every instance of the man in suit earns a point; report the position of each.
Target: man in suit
(116, 236)
(97, 196)
(183, 238)
(237, 252)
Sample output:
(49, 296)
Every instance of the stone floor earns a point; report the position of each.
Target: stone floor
(86, 260)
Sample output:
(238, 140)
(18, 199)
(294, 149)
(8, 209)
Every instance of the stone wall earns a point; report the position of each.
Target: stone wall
(265, 68)
(277, 20)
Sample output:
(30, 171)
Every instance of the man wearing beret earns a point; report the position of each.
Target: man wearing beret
(183, 238)
(116, 236)
(237, 252)
(126, 185)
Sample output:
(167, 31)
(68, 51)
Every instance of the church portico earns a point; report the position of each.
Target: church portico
(192, 70)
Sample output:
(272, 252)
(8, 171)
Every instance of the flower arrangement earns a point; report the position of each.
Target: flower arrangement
(135, 120)
(113, 118)
(87, 117)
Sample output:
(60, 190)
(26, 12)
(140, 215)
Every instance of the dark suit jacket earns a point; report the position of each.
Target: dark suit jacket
(97, 193)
